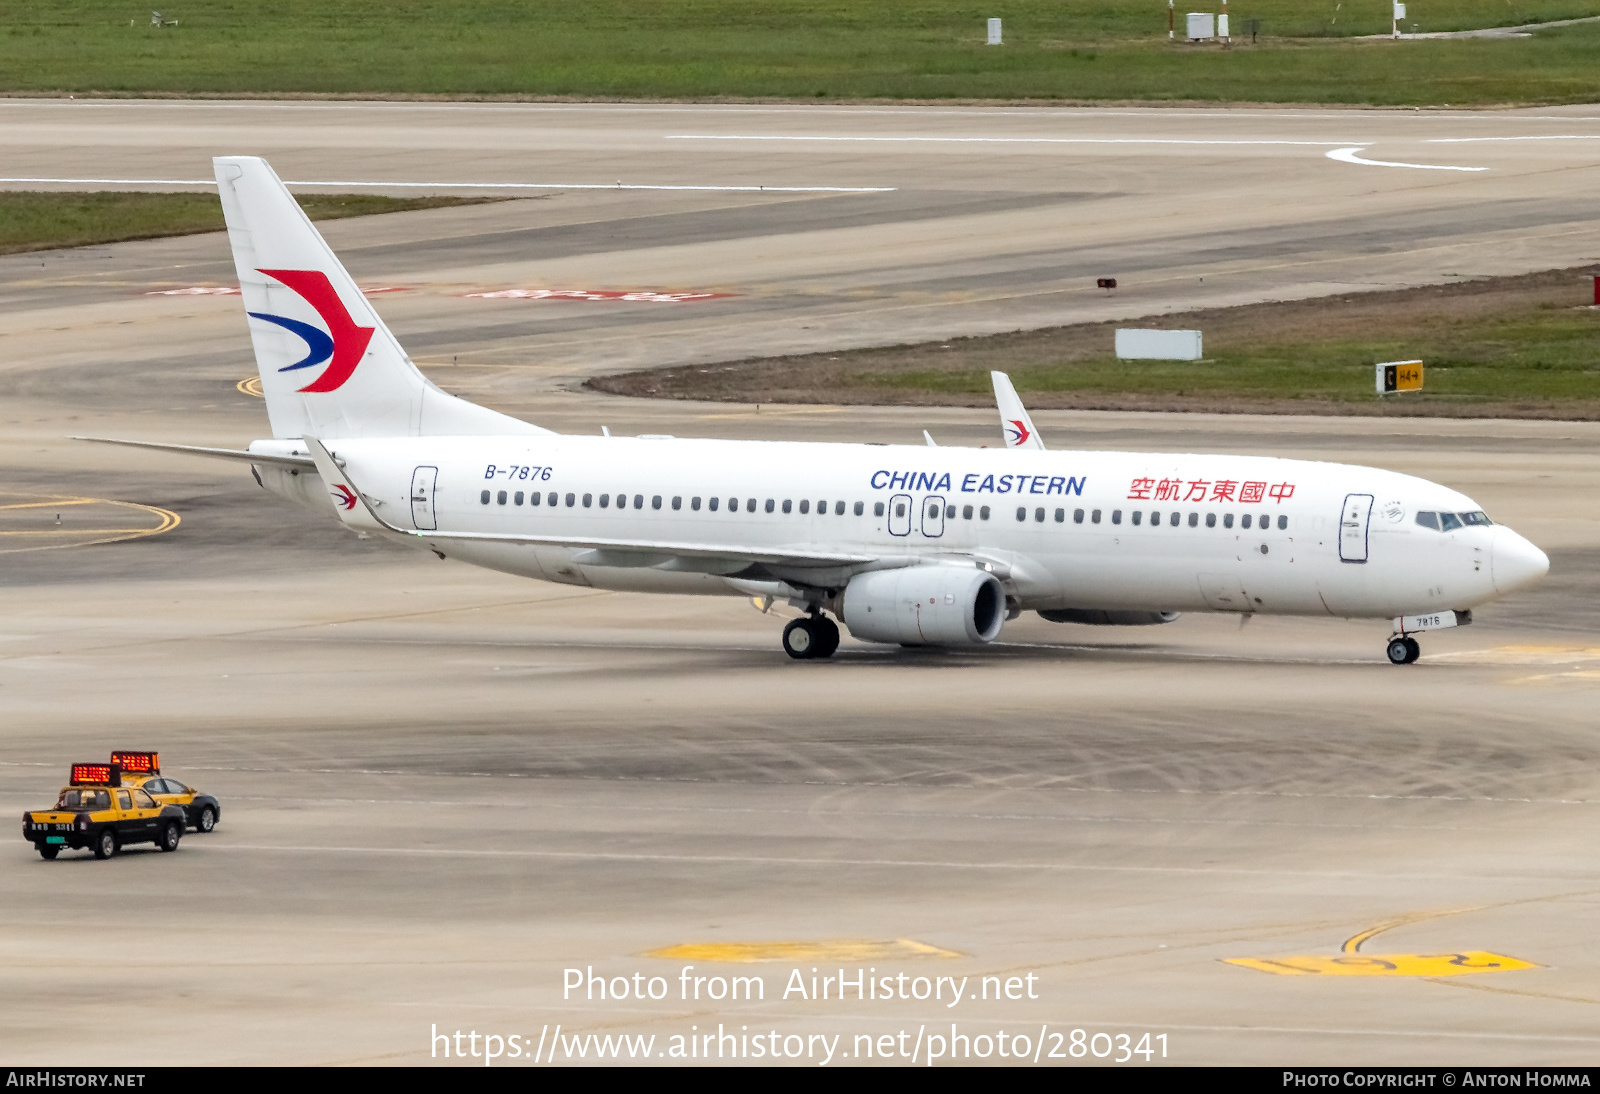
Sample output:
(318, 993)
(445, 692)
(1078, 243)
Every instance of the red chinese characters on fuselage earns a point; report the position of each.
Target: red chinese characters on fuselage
(1200, 490)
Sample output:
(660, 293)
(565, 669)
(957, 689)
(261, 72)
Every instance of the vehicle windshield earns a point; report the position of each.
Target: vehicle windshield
(1449, 522)
(73, 798)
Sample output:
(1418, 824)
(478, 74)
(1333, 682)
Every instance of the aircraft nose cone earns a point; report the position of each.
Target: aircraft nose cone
(1514, 562)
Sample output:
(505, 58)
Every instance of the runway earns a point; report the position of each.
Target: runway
(443, 788)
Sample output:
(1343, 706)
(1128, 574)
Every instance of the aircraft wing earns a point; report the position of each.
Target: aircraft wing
(1015, 425)
(355, 510)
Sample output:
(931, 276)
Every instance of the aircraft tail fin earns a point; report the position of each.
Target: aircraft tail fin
(1015, 425)
(329, 366)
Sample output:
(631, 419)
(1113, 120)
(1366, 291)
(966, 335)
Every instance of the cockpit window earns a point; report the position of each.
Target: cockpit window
(1449, 522)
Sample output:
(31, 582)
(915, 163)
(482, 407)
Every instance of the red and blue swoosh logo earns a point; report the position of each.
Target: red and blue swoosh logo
(1020, 434)
(342, 345)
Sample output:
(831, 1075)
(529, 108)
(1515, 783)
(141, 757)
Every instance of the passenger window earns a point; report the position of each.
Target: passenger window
(1155, 518)
(655, 501)
(1022, 513)
(805, 506)
(552, 499)
(1094, 517)
(677, 503)
(1077, 516)
(877, 508)
(770, 505)
(983, 513)
(1194, 520)
(571, 500)
(484, 497)
(750, 505)
(900, 509)
(533, 498)
(950, 512)
(733, 505)
(500, 498)
(966, 512)
(1174, 519)
(1137, 517)
(588, 500)
(1061, 516)
(1038, 515)
(1211, 520)
(1265, 521)
(838, 509)
(694, 503)
(822, 508)
(638, 501)
(517, 498)
(713, 503)
(933, 512)
(1116, 516)
(788, 506)
(1227, 520)
(1244, 521)
(1449, 522)
(1283, 522)
(605, 500)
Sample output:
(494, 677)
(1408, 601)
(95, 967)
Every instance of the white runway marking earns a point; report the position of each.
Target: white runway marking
(1546, 137)
(799, 860)
(999, 140)
(484, 185)
(1348, 155)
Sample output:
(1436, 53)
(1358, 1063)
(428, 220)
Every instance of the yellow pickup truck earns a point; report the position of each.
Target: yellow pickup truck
(97, 812)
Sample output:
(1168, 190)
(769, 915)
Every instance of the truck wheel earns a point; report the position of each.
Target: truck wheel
(105, 844)
(207, 820)
(48, 853)
(171, 833)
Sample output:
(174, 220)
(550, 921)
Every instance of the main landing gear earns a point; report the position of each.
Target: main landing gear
(1403, 650)
(812, 636)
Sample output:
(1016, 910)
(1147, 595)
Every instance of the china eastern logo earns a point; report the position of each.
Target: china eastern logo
(1019, 433)
(341, 345)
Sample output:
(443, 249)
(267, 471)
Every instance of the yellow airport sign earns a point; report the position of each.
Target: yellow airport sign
(1387, 964)
(1395, 376)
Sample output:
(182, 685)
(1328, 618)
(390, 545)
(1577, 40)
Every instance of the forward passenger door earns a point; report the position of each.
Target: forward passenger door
(1353, 523)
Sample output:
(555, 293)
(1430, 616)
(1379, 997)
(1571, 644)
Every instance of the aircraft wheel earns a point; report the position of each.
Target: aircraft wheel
(827, 636)
(1413, 651)
(801, 640)
(1399, 651)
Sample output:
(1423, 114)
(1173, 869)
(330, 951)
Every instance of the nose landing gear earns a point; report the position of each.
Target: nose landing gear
(1403, 650)
(814, 636)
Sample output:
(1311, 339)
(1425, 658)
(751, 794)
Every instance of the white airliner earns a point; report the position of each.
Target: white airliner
(916, 545)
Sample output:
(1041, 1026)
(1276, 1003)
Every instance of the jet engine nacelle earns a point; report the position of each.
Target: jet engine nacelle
(924, 606)
(1096, 618)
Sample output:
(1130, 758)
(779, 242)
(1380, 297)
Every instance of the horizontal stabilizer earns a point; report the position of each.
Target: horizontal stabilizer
(211, 453)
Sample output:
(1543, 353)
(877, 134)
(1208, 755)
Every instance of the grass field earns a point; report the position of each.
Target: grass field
(31, 221)
(808, 49)
(1503, 347)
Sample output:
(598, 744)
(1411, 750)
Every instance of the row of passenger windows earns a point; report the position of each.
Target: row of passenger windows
(772, 505)
(1449, 522)
(1173, 519)
(503, 497)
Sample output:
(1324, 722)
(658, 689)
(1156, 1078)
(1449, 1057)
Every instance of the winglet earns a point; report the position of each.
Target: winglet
(1015, 425)
(348, 501)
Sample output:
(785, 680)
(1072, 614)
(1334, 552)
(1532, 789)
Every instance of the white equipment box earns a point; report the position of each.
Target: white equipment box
(1158, 345)
(1202, 25)
(994, 32)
